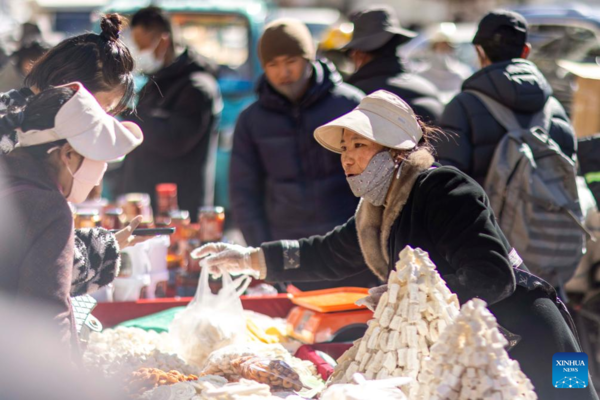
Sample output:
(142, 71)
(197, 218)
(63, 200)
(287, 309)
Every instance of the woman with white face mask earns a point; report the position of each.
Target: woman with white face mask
(408, 200)
(65, 139)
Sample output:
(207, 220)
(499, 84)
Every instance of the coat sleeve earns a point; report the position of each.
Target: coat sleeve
(456, 149)
(45, 273)
(336, 255)
(174, 132)
(464, 231)
(96, 260)
(561, 130)
(247, 181)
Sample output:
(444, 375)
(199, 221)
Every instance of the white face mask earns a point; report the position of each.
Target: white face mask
(145, 61)
(89, 174)
(294, 91)
(440, 61)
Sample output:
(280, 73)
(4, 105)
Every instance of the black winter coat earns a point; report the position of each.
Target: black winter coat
(283, 184)
(178, 111)
(447, 214)
(387, 73)
(517, 84)
(439, 210)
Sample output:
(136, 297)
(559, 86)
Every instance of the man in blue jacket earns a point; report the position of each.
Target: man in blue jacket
(283, 184)
(507, 77)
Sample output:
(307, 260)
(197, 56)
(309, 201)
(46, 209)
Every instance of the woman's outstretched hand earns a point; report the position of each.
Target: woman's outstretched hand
(232, 258)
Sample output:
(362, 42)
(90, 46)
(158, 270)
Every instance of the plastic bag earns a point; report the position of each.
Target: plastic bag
(210, 321)
(275, 373)
(220, 361)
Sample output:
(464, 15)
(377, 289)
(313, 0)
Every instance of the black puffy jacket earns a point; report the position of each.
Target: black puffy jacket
(387, 73)
(445, 213)
(517, 84)
(283, 184)
(178, 111)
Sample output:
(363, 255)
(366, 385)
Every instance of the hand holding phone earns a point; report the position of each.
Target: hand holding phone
(151, 232)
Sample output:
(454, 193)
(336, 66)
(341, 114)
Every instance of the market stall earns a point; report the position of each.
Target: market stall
(418, 345)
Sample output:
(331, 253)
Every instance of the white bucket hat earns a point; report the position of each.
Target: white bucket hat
(88, 128)
(381, 117)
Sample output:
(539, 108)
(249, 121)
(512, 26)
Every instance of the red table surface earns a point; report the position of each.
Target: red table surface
(111, 314)
(334, 350)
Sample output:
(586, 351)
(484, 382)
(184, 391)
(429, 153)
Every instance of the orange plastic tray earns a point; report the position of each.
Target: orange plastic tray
(331, 300)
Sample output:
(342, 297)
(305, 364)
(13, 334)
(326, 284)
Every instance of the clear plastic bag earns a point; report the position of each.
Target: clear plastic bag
(275, 373)
(210, 321)
(220, 361)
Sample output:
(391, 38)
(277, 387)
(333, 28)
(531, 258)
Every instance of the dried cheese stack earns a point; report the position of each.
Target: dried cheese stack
(469, 362)
(409, 318)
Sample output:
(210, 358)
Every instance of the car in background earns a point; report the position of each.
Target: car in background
(563, 33)
(225, 31)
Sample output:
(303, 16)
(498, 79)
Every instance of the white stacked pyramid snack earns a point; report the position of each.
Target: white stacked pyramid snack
(408, 320)
(470, 363)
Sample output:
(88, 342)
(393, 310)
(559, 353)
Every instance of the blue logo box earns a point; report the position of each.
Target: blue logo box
(570, 370)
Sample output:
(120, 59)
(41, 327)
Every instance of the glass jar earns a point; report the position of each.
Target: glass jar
(211, 220)
(113, 218)
(166, 202)
(180, 220)
(134, 204)
(87, 219)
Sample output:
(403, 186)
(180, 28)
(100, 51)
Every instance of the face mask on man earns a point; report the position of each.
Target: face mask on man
(294, 91)
(145, 60)
(374, 182)
(87, 176)
(440, 61)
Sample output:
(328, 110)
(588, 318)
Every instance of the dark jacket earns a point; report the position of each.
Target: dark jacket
(96, 260)
(517, 84)
(388, 73)
(36, 240)
(447, 214)
(440, 210)
(283, 184)
(178, 111)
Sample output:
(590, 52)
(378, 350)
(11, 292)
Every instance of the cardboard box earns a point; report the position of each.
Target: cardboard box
(585, 114)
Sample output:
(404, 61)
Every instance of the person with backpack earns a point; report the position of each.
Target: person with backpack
(408, 200)
(503, 108)
(65, 139)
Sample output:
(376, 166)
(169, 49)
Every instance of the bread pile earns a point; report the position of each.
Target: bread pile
(409, 319)
(469, 361)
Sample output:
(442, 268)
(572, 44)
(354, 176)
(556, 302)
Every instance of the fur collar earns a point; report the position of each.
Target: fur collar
(374, 223)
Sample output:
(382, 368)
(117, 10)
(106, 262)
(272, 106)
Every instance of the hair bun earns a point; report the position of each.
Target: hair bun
(111, 26)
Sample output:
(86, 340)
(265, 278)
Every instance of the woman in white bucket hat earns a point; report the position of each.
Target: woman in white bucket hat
(407, 199)
(65, 139)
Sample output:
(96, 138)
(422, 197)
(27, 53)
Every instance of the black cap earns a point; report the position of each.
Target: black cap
(496, 25)
(374, 27)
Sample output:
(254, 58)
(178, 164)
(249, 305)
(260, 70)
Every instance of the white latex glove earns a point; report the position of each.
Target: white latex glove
(372, 299)
(232, 258)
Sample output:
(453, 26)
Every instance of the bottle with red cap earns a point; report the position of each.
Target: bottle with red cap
(166, 201)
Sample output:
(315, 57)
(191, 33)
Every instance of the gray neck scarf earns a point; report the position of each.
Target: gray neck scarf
(374, 182)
